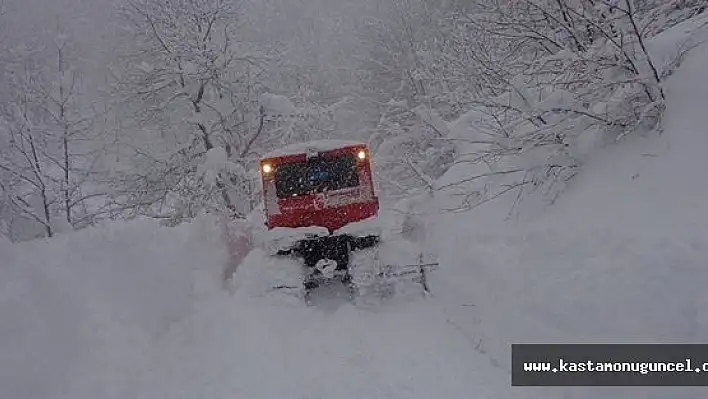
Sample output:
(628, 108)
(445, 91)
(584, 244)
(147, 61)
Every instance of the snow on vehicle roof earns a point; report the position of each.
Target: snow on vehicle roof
(311, 146)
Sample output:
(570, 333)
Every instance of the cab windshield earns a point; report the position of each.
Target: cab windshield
(315, 176)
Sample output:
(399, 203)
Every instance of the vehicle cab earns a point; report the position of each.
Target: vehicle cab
(318, 184)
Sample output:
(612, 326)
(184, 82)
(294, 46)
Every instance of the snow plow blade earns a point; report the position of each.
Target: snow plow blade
(388, 274)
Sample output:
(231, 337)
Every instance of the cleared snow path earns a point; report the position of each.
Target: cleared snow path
(133, 310)
(245, 346)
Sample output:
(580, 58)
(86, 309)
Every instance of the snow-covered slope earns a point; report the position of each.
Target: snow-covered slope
(620, 257)
(654, 183)
(79, 312)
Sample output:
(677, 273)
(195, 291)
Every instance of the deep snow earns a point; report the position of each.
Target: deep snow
(134, 310)
(80, 311)
(137, 310)
(620, 257)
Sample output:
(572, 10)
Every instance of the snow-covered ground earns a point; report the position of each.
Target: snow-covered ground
(134, 310)
(137, 310)
(79, 312)
(248, 347)
(621, 257)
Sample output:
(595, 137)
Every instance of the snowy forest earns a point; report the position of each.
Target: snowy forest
(161, 108)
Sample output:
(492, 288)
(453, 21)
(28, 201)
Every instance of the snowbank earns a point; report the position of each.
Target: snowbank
(79, 311)
(653, 182)
(667, 47)
(620, 257)
(239, 237)
(573, 285)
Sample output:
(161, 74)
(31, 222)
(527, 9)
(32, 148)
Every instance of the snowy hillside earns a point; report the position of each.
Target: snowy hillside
(621, 256)
(135, 310)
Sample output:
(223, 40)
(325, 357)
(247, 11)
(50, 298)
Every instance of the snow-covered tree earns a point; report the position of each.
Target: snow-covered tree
(69, 122)
(45, 129)
(190, 87)
(521, 89)
(567, 70)
(28, 183)
(398, 65)
(547, 80)
(410, 148)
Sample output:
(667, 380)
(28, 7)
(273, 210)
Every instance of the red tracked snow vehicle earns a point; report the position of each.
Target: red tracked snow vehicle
(315, 193)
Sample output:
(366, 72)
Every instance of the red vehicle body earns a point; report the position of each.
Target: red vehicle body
(342, 199)
(325, 184)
